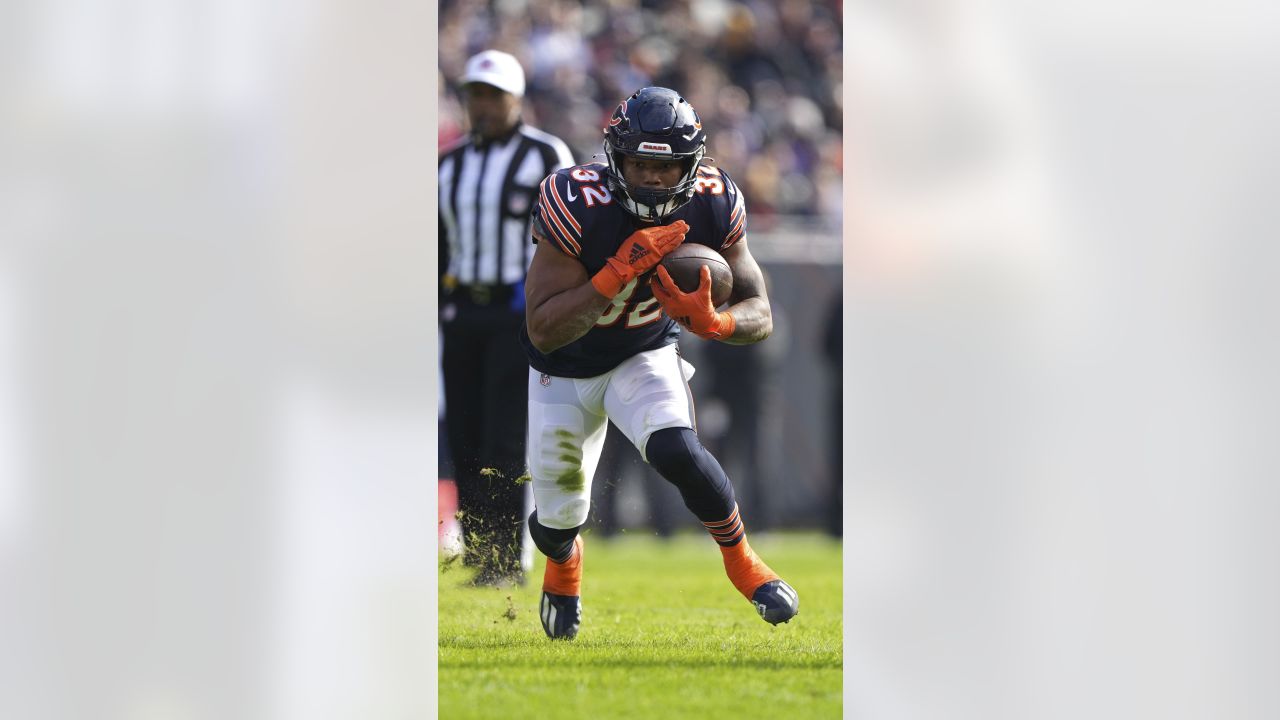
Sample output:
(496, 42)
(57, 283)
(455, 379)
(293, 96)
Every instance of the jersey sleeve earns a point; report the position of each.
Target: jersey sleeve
(553, 217)
(728, 208)
(736, 223)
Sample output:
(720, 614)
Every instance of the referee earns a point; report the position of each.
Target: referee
(487, 187)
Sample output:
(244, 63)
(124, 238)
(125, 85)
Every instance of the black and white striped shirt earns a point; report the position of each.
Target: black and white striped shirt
(486, 192)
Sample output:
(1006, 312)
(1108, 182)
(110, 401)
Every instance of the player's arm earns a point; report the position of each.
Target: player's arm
(749, 303)
(561, 304)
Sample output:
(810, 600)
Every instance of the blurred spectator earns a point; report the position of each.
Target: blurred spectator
(765, 75)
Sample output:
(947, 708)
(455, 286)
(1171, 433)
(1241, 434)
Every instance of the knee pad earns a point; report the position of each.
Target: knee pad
(552, 542)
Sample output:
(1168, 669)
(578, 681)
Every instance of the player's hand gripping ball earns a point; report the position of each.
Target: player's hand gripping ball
(637, 255)
(693, 310)
(684, 264)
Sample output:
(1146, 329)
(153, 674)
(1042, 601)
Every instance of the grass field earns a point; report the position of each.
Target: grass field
(664, 635)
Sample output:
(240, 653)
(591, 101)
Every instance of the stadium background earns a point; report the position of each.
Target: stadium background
(766, 79)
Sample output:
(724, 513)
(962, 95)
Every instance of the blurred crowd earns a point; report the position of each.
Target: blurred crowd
(764, 76)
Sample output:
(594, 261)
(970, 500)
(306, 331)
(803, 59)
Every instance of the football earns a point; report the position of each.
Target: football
(684, 264)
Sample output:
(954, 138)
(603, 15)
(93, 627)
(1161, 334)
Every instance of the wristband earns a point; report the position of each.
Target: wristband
(726, 326)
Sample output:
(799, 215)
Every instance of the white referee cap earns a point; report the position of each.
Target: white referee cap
(496, 68)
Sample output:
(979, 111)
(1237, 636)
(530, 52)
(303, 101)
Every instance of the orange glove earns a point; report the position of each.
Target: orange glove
(692, 310)
(637, 256)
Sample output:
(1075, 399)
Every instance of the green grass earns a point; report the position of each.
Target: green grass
(664, 635)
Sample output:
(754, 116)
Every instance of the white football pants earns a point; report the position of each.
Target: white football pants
(568, 418)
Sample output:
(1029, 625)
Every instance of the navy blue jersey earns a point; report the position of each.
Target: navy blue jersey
(576, 213)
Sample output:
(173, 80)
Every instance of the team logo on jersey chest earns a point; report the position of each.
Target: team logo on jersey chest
(545, 380)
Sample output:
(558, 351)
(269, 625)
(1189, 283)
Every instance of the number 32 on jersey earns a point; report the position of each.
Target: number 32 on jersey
(592, 194)
(642, 314)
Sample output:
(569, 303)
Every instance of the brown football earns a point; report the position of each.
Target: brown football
(684, 264)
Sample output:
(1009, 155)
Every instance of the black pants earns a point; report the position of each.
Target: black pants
(486, 403)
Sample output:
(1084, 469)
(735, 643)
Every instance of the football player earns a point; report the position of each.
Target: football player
(601, 339)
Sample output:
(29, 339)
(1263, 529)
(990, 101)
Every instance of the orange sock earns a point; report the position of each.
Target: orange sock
(565, 578)
(745, 569)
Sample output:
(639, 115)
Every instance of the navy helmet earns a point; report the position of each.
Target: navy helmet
(657, 124)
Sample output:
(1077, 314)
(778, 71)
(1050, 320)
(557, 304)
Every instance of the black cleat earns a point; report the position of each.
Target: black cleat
(776, 601)
(561, 615)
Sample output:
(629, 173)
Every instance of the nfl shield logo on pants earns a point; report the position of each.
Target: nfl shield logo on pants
(545, 380)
